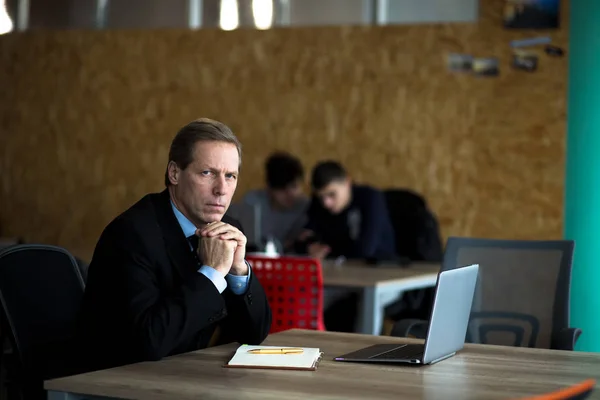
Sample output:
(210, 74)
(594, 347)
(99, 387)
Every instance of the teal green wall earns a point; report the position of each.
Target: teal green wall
(582, 185)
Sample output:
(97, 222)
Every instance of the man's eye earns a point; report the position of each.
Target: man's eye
(205, 173)
(231, 176)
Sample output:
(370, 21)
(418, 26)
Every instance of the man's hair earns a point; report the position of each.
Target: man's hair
(200, 130)
(283, 169)
(327, 172)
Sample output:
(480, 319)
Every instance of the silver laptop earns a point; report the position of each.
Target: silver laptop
(447, 328)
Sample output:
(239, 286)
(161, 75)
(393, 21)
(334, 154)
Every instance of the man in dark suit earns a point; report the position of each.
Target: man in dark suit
(168, 275)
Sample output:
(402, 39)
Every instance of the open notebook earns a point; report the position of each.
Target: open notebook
(308, 360)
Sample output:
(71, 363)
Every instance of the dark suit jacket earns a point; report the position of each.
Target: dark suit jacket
(145, 300)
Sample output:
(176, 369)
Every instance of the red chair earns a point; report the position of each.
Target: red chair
(294, 288)
(578, 391)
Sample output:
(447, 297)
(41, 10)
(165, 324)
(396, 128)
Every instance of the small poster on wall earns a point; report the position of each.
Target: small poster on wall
(525, 60)
(532, 14)
(466, 63)
(486, 66)
(459, 62)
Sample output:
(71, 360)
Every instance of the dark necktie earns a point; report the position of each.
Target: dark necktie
(194, 240)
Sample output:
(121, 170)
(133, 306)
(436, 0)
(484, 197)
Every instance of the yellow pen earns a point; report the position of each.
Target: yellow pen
(285, 350)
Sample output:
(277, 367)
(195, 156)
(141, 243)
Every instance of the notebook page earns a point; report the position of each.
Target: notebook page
(305, 360)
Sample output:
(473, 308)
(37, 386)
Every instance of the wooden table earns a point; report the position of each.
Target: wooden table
(380, 285)
(477, 372)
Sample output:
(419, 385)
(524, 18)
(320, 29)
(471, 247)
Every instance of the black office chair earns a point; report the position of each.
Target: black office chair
(522, 295)
(417, 235)
(416, 228)
(41, 291)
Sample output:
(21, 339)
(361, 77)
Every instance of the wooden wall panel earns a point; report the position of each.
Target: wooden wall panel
(87, 118)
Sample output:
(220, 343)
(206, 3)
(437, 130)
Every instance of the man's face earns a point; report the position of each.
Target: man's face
(335, 197)
(287, 197)
(203, 191)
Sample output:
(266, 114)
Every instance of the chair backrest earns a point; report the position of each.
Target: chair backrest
(41, 291)
(415, 227)
(579, 391)
(522, 296)
(294, 289)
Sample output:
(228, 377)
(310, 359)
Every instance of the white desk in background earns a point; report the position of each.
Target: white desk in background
(379, 285)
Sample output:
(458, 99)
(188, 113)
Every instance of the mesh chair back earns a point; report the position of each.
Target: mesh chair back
(41, 291)
(294, 289)
(522, 296)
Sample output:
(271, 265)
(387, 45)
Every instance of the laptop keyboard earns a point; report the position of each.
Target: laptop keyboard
(407, 352)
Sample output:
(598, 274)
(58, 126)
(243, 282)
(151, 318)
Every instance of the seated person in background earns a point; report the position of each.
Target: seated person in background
(282, 204)
(169, 274)
(349, 220)
(346, 219)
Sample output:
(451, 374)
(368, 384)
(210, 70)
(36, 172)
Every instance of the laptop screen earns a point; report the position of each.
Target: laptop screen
(450, 313)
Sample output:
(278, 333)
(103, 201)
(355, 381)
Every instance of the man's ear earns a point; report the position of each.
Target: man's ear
(173, 172)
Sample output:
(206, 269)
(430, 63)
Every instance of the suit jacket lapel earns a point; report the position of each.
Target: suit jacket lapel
(178, 247)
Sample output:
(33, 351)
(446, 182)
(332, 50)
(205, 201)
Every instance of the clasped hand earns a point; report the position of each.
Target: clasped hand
(223, 247)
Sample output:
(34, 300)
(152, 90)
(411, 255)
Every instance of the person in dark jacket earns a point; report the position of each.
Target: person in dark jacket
(169, 275)
(345, 220)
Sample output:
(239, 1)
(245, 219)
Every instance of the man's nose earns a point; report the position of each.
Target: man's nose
(220, 187)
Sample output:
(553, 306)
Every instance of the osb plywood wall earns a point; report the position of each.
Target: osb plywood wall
(87, 118)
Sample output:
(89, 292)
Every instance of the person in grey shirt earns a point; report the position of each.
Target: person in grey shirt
(282, 203)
